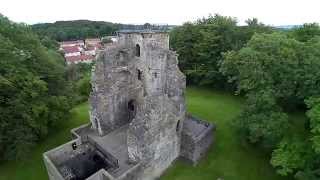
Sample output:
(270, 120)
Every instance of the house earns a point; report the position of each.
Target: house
(92, 41)
(71, 43)
(79, 59)
(80, 51)
(72, 51)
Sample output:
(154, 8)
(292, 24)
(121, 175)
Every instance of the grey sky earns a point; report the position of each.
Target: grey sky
(272, 12)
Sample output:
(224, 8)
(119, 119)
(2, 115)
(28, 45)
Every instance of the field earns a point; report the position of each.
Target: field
(229, 159)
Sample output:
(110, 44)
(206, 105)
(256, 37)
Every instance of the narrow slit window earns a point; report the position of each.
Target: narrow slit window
(137, 50)
(139, 74)
(178, 126)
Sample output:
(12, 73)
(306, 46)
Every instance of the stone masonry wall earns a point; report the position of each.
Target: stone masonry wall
(197, 137)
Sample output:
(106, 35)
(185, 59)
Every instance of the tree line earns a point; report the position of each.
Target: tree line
(276, 71)
(74, 30)
(82, 29)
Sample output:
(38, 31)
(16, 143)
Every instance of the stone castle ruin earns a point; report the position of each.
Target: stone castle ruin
(138, 116)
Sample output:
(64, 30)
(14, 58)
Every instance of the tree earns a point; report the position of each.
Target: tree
(299, 155)
(292, 155)
(278, 74)
(314, 116)
(277, 62)
(34, 94)
(262, 120)
(201, 45)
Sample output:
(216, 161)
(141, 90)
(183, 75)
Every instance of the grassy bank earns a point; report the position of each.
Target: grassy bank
(229, 159)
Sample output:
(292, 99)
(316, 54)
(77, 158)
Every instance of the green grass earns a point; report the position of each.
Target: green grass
(230, 158)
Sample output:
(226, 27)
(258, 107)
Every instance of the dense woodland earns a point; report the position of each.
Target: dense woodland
(277, 71)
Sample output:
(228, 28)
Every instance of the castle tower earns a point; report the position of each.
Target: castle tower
(142, 87)
(138, 116)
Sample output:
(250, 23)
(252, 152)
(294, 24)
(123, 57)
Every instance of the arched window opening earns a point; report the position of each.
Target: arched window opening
(178, 126)
(139, 74)
(137, 50)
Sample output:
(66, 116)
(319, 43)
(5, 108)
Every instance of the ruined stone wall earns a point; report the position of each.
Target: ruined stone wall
(197, 136)
(133, 174)
(56, 157)
(114, 83)
(53, 172)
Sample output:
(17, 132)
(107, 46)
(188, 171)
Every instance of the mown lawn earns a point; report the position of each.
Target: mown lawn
(229, 159)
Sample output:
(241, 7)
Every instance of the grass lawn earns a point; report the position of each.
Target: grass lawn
(229, 159)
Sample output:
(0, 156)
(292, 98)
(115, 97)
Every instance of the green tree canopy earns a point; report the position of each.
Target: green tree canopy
(200, 46)
(34, 92)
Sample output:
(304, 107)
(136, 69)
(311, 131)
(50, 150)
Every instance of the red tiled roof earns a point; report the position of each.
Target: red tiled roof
(71, 49)
(79, 58)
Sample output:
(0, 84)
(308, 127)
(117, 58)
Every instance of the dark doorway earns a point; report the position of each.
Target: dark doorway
(131, 109)
(131, 105)
(137, 50)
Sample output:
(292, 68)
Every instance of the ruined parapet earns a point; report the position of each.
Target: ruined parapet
(197, 136)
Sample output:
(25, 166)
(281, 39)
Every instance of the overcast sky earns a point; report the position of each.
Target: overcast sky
(271, 12)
